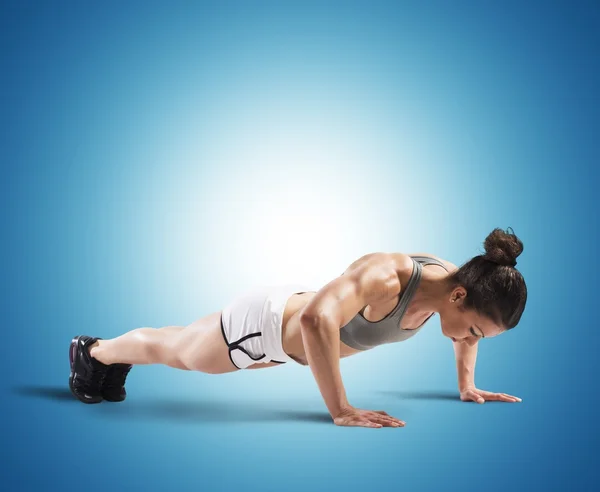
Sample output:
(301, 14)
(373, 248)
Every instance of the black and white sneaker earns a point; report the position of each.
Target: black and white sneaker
(87, 373)
(113, 387)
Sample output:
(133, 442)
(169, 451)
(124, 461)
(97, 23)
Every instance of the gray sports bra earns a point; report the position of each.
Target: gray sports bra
(362, 334)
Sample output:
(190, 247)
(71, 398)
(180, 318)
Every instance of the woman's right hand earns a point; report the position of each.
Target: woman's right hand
(357, 417)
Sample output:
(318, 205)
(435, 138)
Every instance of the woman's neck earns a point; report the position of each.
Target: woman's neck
(432, 292)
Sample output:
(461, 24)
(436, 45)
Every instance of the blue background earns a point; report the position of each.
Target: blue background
(158, 158)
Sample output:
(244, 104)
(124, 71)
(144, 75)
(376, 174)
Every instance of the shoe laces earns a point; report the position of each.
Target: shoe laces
(116, 375)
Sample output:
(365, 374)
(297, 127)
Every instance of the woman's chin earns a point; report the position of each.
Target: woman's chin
(447, 335)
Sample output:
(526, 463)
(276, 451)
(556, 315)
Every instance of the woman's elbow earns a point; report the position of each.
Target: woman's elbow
(317, 321)
(310, 320)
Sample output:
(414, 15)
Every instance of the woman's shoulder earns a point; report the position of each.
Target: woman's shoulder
(400, 262)
(448, 264)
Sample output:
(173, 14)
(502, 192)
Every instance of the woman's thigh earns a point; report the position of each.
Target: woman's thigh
(200, 346)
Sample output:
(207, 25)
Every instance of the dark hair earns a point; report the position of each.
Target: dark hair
(495, 288)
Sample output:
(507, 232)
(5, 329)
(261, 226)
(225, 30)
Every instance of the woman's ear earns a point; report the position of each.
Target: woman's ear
(457, 296)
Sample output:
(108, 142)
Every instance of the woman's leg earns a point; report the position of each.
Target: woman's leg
(139, 346)
(196, 347)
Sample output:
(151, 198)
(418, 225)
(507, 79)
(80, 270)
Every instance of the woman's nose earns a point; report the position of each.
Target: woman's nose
(459, 340)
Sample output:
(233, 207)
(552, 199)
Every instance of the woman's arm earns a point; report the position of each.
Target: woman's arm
(466, 357)
(373, 281)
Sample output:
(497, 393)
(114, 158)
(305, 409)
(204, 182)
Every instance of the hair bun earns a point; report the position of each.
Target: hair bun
(503, 247)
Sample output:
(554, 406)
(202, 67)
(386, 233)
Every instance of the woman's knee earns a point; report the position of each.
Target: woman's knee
(157, 346)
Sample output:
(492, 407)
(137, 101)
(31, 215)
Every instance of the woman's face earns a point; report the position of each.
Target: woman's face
(465, 325)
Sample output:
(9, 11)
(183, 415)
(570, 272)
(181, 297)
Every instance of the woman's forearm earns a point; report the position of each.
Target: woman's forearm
(322, 345)
(466, 357)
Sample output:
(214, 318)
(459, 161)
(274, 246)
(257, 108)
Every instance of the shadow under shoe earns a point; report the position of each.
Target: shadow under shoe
(113, 387)
(87, 374)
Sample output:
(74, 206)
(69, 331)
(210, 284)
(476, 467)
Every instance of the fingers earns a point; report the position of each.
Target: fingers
(482, 396)
(385, 415)
(385, 419)
(499, 397)
(473, 396)
(476, 397)
(354, 422)
(508, 398)
(385, 422)
(368, 423)
(368, 418)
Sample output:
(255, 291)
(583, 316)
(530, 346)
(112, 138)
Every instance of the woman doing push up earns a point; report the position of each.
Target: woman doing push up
(380, 298)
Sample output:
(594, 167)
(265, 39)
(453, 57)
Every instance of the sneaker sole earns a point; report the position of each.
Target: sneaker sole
(113, 400)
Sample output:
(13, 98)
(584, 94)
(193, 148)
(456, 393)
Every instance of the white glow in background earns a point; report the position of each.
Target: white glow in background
(278, 193)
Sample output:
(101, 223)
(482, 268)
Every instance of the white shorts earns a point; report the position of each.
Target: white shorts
(251, 324)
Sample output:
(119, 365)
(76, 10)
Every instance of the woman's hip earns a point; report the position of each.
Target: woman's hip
(251, 324)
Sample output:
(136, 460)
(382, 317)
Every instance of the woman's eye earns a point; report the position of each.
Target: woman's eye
(473, 332)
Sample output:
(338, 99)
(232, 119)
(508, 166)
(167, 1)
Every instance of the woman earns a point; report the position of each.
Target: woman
(380, 298)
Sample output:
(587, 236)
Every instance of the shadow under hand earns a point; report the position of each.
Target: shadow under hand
(61, 393)
(208, 412)
(424, 395)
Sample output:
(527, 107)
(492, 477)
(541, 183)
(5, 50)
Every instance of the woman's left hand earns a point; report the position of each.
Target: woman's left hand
(480, 396)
